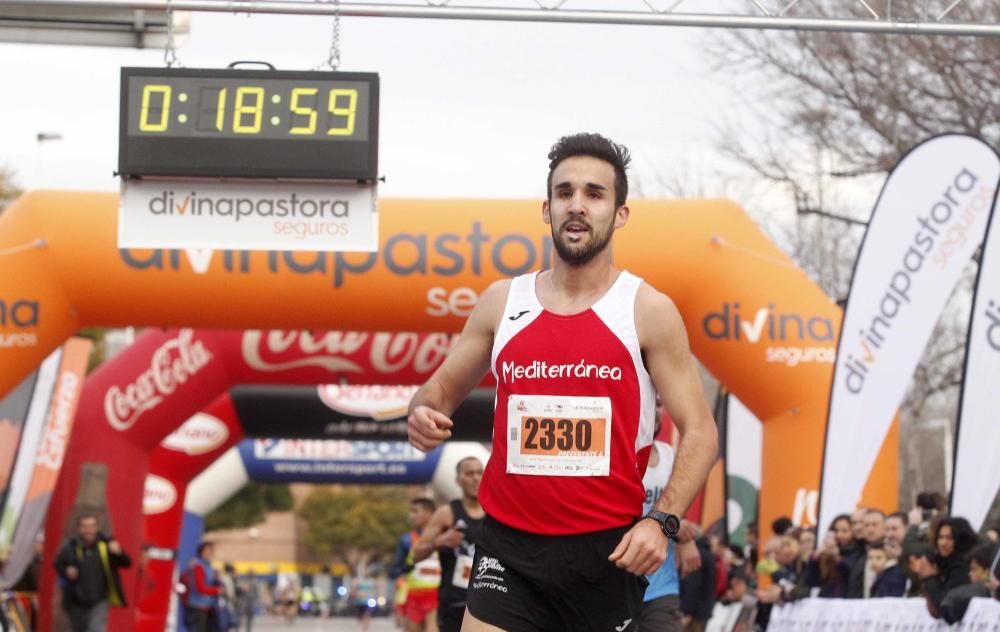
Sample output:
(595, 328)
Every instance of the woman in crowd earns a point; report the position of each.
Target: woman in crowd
(953, 539)
(826, 570)
(830, 567)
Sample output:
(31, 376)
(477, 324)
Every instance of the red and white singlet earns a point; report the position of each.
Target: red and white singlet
(573, 422)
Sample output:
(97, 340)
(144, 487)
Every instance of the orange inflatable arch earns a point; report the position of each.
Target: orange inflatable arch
(754, 319)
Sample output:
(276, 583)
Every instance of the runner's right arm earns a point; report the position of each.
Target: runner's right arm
(440, 522)
(428, 421)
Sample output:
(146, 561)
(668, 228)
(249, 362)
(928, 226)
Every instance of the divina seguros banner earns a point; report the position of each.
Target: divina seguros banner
(929, 219)
(976, 469)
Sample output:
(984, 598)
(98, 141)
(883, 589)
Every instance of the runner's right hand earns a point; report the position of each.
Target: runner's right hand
(450, 538)
(72, 573)
(427, 428)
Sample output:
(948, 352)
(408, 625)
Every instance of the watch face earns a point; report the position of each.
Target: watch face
(672, 523)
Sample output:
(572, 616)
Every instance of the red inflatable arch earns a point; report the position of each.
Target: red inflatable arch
(162, 526)
(144, 393)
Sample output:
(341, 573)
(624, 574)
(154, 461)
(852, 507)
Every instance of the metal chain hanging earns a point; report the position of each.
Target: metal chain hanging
(169, 52)
(333, 57)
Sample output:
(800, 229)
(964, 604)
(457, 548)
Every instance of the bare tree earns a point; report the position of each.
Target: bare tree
(832, 113)
(9, 191)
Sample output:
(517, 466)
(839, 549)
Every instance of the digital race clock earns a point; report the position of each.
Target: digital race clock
(183, 122)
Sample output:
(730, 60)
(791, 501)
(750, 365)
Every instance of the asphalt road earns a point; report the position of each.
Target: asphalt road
(335, 624)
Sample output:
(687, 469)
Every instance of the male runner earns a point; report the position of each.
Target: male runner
(579, 353)
(453, 532)
(421, 579)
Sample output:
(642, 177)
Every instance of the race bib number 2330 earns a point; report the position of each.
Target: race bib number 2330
(549, 435)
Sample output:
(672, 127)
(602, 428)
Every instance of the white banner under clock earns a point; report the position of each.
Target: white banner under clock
(340, 217)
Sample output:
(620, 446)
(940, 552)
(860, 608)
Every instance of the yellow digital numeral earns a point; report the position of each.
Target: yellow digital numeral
(147, 92)
(220, 115)
(256, 110)
(303, 111)
(350, 111)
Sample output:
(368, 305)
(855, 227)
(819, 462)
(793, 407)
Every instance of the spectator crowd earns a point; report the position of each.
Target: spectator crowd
(868, 554)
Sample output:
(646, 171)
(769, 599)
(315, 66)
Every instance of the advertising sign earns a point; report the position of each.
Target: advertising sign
(338, 217)
(329, 461)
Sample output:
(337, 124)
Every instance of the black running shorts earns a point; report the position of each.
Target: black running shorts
(525, 582)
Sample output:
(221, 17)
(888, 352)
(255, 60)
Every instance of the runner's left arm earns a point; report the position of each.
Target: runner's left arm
(670, 364)
(668, 359)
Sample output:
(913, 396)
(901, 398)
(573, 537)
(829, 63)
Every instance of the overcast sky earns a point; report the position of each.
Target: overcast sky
(469, 109)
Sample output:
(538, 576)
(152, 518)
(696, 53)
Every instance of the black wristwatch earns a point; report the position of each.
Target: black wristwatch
(670, 523)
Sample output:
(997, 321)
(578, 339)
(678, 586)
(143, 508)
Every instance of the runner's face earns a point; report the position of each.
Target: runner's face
(469, 477)
(419, 516)
(581, 209)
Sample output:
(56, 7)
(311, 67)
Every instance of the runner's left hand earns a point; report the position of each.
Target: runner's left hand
(643, 549)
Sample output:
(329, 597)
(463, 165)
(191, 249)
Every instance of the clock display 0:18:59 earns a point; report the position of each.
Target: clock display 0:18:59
(275, 108)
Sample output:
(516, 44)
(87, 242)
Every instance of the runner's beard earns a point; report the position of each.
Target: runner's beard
(581, 253)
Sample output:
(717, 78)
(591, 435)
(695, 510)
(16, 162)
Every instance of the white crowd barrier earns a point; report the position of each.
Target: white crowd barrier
(725, 617)
(881, 615)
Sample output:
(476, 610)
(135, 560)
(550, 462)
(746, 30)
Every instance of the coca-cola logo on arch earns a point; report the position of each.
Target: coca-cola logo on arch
(198, 435)
(346, 352)
(171, 366)
(158, 496)
(377, 402)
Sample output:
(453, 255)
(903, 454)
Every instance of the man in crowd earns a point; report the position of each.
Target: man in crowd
(698, 590)
(861, 577)
(453, 531)
(580, 351)
(201, 601)
(421, 579)
(858, 524)
(247, 597)
(87, 565)
(896, 526)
